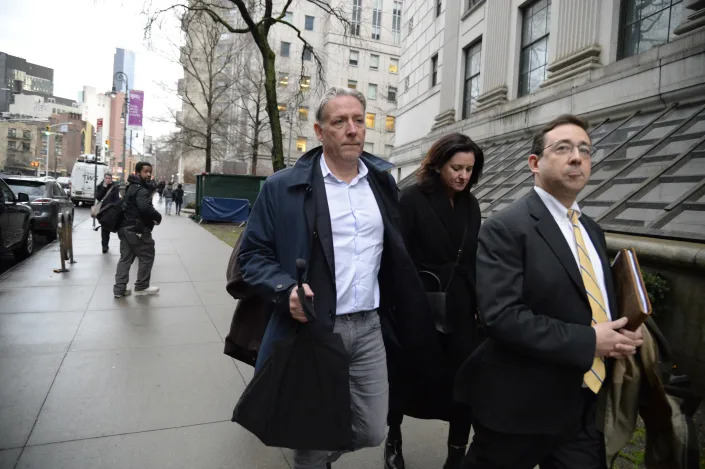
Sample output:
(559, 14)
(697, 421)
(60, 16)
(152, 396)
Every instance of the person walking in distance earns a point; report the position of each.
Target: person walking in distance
(547, 299)
(336, 208)
(107, 192)
(168, 198)
(440, 219)
(135, 233)
(178, 198)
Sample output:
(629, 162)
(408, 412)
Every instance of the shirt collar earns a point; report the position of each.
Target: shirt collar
(554, 206)
(361, 170)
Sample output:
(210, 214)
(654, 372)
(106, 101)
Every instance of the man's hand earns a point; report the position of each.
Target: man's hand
(613, 341)
(297, 311)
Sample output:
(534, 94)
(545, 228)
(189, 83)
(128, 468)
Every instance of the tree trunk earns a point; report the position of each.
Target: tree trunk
(270, 87)
(255, 148)
(209, 146)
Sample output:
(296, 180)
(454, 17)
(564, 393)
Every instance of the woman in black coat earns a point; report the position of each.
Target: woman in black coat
(440, 221)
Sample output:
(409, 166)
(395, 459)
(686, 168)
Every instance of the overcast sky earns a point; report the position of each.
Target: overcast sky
(77, 38)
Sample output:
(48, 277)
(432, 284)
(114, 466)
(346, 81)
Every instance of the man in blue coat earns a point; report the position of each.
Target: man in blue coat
(337, 209)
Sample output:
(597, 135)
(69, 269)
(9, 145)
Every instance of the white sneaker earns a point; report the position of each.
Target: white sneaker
(147, 291)
(128, 292)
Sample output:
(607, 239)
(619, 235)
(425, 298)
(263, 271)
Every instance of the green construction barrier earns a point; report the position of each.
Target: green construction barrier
(233, 186)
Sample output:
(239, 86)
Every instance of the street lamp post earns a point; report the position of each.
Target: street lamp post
(122, 76)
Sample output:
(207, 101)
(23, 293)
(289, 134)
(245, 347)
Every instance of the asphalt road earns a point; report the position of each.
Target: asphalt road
(82, 214)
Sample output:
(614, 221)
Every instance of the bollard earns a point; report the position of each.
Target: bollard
(65, 242)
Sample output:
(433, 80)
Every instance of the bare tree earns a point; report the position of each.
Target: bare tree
(167, 150)
(207, 59)
(258, 18)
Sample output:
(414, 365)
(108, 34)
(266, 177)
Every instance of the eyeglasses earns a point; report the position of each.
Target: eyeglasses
(565, 148)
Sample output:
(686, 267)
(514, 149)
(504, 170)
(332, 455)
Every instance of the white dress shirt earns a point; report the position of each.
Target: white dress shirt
(560, 214)
(358, 237)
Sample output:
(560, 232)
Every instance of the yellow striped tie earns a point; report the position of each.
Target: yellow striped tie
(593, 378)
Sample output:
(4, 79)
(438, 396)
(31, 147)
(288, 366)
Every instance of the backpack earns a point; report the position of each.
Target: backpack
(110, 216)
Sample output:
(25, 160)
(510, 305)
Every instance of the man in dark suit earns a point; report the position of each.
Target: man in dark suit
(337, 209)
(547, 299)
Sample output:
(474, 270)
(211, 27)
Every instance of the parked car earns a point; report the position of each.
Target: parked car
(65, 183)
(16, 223)
(86, 171)
(47, 200)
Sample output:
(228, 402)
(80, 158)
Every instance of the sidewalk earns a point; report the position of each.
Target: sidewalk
(90, 381)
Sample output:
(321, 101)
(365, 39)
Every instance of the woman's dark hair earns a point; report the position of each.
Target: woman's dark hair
(178, 186)
(443, 150)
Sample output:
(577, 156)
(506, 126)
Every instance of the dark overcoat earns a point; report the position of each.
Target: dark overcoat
(433, 230)
(290, 220)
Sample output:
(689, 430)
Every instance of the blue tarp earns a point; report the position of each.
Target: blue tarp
(224, 209)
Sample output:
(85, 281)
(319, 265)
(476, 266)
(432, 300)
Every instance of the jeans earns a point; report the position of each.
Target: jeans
(133, 244)
(369, 386)
(168, 203)
(178, 207)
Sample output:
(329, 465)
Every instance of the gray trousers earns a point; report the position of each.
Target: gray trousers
(369, 387)
(133, 245)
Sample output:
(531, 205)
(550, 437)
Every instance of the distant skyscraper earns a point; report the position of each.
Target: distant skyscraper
(124, 61)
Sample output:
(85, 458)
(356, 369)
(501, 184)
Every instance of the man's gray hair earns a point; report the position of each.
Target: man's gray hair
(334, 92)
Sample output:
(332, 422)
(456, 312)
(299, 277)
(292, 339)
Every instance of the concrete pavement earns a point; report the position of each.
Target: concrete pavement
(90, 381)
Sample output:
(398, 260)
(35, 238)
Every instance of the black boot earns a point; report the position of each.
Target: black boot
(393, 459)
(455, 457)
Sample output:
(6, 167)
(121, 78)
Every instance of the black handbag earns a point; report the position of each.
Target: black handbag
(437, 299)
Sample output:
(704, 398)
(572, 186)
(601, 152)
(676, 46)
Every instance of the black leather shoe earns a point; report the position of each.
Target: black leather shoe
(393, 459)
(455, 457)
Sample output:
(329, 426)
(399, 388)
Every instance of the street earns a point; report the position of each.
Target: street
(40, 241)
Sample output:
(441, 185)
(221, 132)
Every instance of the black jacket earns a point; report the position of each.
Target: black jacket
(102, 190)
(178, 195)
(138, 209)
(527, 376)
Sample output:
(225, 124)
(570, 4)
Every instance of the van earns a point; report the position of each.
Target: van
(86, 171)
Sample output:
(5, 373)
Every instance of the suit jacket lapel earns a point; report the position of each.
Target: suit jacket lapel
(441, 205)
(591, 229)
(320, 212)
(549, 231)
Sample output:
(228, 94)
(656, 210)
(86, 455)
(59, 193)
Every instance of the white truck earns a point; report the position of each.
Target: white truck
(83, 176)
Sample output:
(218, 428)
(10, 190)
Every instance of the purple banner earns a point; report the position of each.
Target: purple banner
(135, 108)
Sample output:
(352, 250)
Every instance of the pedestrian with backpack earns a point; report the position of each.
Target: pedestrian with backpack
(135, 232)
(106, 193)
(169, 198)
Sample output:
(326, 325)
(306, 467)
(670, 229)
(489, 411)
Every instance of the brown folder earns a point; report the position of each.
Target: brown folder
(632, 299)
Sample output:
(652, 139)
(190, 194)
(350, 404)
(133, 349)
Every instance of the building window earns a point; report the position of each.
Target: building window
(471, 88)
(305, 83)
(285, 49)
(308, 24)
(396, 22)
(352, 84)
(301, 144)
(374, 61)
(392, 94)
(303, 113)
(389, 124)
(439, 7)
(354, 58)
(376, 19)
(393, 65)
(471, 3)
(411, 25)
(371, 91)
(308, 54)
(646, 24)
(534, 46)
(370, 120)
(356, 17)
(406, 84)
(283, 78)
(369, 147)
(11, 133)
(58, 147)
(289, 17)
(281, 107)
(388, 151)
(434, 70)
(26, 134)
(11, 145)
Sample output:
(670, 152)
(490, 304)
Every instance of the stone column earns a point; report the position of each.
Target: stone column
(446, 115)
(695, 20)
(495, 51)
(576, 40)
